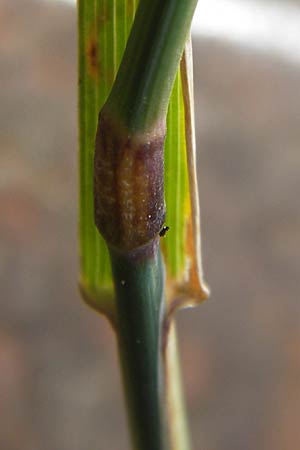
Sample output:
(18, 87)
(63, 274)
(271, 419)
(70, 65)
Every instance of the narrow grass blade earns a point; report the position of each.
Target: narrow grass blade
(103, 27)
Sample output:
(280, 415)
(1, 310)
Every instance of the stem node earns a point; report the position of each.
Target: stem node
(128, 184)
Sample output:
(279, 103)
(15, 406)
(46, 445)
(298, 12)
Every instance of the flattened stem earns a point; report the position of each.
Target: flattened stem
(142, 89)
(139, 281)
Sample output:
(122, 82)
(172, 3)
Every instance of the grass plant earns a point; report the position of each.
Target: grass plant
(134, 178)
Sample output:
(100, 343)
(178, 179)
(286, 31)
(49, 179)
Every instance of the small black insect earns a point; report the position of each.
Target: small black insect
(163, 231)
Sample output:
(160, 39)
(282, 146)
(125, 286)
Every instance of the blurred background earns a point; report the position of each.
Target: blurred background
(59, 380)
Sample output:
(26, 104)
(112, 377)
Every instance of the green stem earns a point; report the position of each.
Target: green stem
(141, 92)
(151, 371)
(130, 211)
(138, 278)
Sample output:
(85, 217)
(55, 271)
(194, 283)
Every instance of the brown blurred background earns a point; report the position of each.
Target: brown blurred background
(59, 380)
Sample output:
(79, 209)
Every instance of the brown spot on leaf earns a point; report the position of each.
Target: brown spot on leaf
(93, 58)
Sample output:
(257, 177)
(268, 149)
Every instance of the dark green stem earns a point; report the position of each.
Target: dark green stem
(141, 92)
(130, 211)
(138, 278)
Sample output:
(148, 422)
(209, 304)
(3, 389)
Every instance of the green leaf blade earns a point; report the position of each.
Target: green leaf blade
(176, 186)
